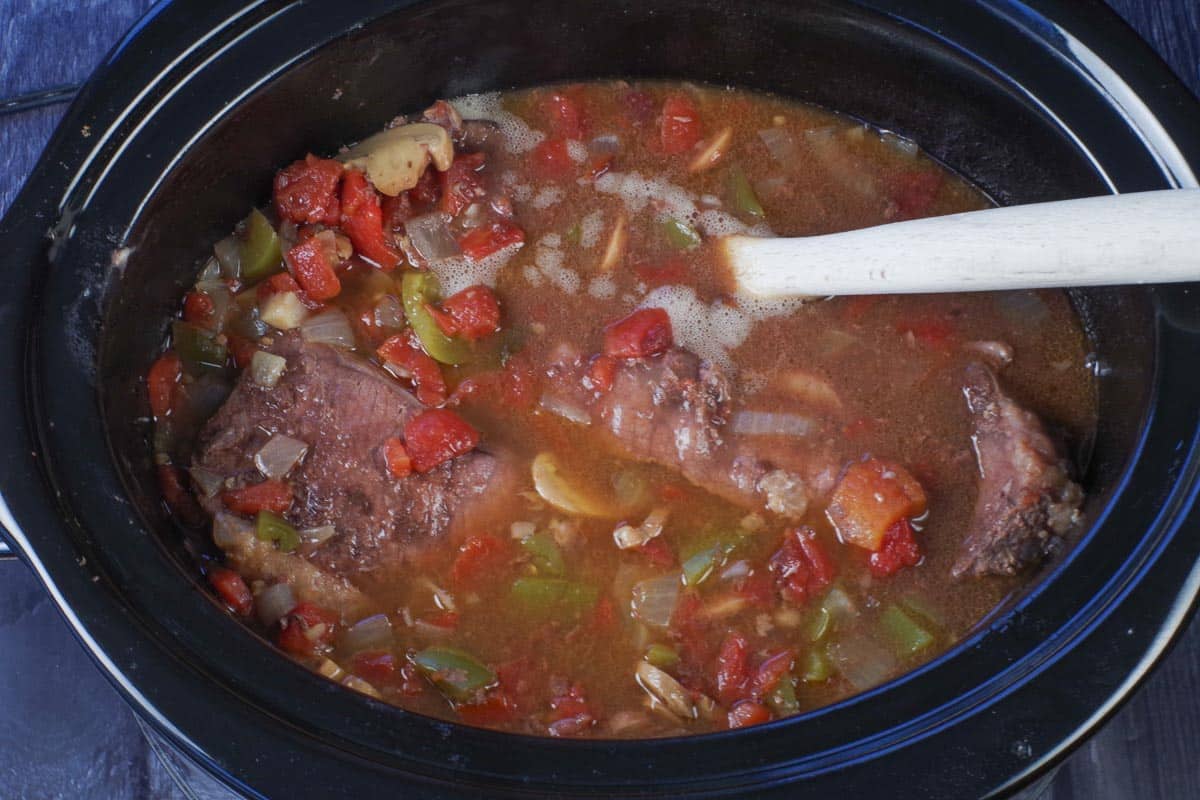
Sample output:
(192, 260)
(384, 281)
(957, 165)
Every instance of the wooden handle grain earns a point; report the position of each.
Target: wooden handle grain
(1148, 237)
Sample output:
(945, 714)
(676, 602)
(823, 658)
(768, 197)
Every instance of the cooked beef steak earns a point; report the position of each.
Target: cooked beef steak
(674, 410)
(1027, 501)
(344, 409)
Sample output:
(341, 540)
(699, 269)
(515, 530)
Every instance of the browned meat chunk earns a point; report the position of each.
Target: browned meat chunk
(1027, 501)
(675, 409)
(344, 409)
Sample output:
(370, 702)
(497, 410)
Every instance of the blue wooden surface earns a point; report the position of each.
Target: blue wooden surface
(65, 733)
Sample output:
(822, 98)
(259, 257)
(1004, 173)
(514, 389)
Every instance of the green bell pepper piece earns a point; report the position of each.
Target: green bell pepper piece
(906, 634)
(417, 289)
(198, 350)
(553, 597)
(782, 699)
(545, 554)
(270, 527)
(817, 668)
(259, 249)
(681, 235)
(819, 625)
(456, 674)
(661, 656)
(744, 198)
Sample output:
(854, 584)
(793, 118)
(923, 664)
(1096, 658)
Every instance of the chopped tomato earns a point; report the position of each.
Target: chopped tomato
(306, 191)
(312, 264)
(733, 668)
(172, 484)
(681, 127)
(800, 566)
(601, 373)
(770, 672)
(746, 713)
(480, 558)
(658, 552)
(306, 628)
(198, 309)
(552, 160)
(472, 313)
(242, 350)
(362, 221)
(495, 708)
(915, 191)
(446, 619)
(233, 590)
(672, 269)
(872, 496)
(282, 282)
(479, 243)
(566, 118)
(645, 332)
(270, 495)
(570, 714)
(462, 184)
(162, 383)
(376, 666)
(403, 352)
(899, 549)
(399, 465)
(600, 165)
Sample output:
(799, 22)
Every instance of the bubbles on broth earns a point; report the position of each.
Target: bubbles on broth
(456, 274)
(517, 135)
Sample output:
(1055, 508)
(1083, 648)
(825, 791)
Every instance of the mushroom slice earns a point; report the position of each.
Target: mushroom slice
(395, 159)
(665, 690)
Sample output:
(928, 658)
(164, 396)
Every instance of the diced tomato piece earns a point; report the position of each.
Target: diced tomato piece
(872, 496)
(445, 619)
(375, 666)
(600, 165)
(915, 191)
(733, 668)
(601, 373)
(179, 500)
(242, 350)
(552, 160)
(312, 264)
(307, 191)
(232, 589)
(935, 334)
(480, 558)
(570, 714)
(645, 332)
(472, 313)
(800, 566)
(403, 351)
(770, 672)
(746, 713)
(198, 309)
(479, 243)
(566, 118)
(672, 269)
(658, 552)
(270, 495)
(462, 184)
(681, 127)
(427, 191)
(495, 708)
(899, 549)
(306, 628)
(162, 383)
(362, 221)
(399, 465)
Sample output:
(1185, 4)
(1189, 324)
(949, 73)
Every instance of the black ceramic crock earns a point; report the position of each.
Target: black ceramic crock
(180, 131)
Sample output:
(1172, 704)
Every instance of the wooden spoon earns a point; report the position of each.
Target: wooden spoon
(1148, 237)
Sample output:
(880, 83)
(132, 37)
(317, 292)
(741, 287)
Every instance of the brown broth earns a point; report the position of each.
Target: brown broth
(895, 363)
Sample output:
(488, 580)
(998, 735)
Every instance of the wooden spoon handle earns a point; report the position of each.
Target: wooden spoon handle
(1148, 237)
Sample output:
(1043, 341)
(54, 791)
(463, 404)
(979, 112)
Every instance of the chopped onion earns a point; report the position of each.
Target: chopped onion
(266, 368)
(780, 144)
(628, 536)
(665, 690)
(208, 481)
(654, 600)
(318, 534)
(431, 237)
(283, 311)
(862, 661)
(522, 530)
(211, 270)
(631, 489)
(274, 602)
(770, 423)
(372, 633)
(607, 145)
(738, 569)
(1001, 353)
(905, 146)
(279, 455)
(565, 409)
(329, 327)
(230, 531)
(389, 313)
(810, 388)
(229, 254)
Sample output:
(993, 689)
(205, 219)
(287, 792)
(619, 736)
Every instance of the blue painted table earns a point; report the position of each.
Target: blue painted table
(65, 733)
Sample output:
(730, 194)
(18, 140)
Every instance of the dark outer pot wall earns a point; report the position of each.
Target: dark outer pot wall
(187, 121)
